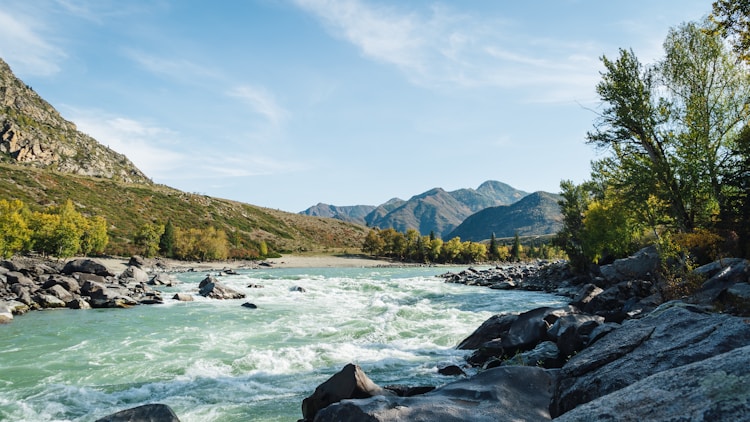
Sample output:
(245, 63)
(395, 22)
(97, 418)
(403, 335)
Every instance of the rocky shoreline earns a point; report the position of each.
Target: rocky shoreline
(618, 351)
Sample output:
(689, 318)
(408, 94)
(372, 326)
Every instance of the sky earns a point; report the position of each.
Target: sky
(288, 103)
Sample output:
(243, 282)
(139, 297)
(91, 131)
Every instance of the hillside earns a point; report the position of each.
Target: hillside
(32, 133)
(535, 215)
(127, 206)
(45, 161)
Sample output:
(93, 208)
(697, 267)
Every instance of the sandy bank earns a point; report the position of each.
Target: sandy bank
(118, 264)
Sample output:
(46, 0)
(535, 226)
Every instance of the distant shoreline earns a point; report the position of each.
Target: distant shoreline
(118, 264)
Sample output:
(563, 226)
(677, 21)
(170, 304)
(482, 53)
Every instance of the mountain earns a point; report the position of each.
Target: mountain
(45, 161)
(33, 133)
(353, 214)
(535, 215)
(435, 211)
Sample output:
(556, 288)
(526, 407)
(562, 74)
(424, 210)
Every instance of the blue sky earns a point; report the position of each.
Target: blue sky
(287, 103)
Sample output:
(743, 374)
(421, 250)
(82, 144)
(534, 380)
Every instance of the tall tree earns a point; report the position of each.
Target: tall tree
(732, 19)
(668, 127)
(167, 240)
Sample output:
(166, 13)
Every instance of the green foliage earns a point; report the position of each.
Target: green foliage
(732, 20)
(14, 231)
(167, 240)
(410, 246)
(516, 250)
(201, 244)
(147, 239)
(676, 270)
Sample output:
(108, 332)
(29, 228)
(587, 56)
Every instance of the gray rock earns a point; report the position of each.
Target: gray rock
(137, 261)
(546, 354)
(182, 297)
(163, 279)
(512, 393)
(68, 283)
(349, 383)
(59, 292)
(490, 329)
(135, 273)
(640, 266)
(585, 294)
(47, 301)
(673, 335)
(6, 315)
(714, 389)
(15, 277)
(87, 266)
(211, 288)
(145, 413)
(78, 303)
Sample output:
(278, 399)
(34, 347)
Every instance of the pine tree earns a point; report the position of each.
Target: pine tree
(167, 240)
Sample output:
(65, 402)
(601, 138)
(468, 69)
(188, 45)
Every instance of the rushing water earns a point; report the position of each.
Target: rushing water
(213, 360)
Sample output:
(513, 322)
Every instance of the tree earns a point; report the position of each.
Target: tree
(573, 206)
(94, 238)
(669, 127)
(147, 238)
(373, 243)
(14, 231)
(492, 252)
(167, 240)
(732, 20)
(263, 248)
(517, 249)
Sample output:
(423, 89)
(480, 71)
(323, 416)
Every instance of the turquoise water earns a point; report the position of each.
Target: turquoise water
(214, 360)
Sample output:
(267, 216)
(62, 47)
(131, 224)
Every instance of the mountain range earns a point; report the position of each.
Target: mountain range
(472, 214)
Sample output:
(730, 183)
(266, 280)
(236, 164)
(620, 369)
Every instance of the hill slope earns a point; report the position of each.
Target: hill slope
(33, 133)
(45, 161)
(535, 215)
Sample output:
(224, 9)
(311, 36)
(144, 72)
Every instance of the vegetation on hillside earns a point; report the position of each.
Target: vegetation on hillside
(676, 169)
(128, 208)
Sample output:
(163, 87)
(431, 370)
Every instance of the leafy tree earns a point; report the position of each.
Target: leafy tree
(14, 231)
(517, 249)
(167, 240)
(451, 250)
(263, 248)
(732, 19)
(669, 127)
(573, 206)
(95, 238)
(147, 238)
(373, 243)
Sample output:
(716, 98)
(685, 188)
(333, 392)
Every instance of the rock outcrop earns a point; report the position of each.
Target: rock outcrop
(145, 413)
(33, 133)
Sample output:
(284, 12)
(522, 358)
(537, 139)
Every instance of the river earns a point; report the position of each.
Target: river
(213, 360)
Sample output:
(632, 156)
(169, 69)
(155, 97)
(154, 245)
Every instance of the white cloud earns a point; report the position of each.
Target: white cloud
(443, 48)
(261, 101)
(24, 48)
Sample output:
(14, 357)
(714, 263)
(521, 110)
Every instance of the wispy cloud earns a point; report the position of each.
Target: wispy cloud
(261, 101)
(439, 47)
(25, 48)
(173, 68)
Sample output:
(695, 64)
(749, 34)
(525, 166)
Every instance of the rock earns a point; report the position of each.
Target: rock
(182, 297)
(6, 315)
(68, 283)
(15, 277)
(134, 273)
(87, 266)
(408, 390)
(298, 289)
(673, 335)
(641, 265)
(620, 301)
(349, 383)
(78, 303)
(210, 287)
(163, 279)
(513, 393)
(490, 329)
(137, 261)
(145, 413)
(254, 286)
(724, 276)
(714, 389)
(47, 301)
(585, 295)
(59, 292)
(546, 355)
(571, 332)
(249, 305)
(451, 370)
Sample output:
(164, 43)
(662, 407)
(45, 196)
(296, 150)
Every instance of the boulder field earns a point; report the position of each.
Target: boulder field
(618, 351)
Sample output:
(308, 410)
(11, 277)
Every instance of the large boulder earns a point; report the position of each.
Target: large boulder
(210, 287)
(673, 335)
(134, 273)
(723, 275)
(490, 329)
(349, 383)
(6, 315)
(87, 266)
(145, 413)
(640, 266)
(714, 389)
(512, 393)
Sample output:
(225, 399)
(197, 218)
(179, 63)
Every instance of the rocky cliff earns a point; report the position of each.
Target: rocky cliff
(33, 133)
